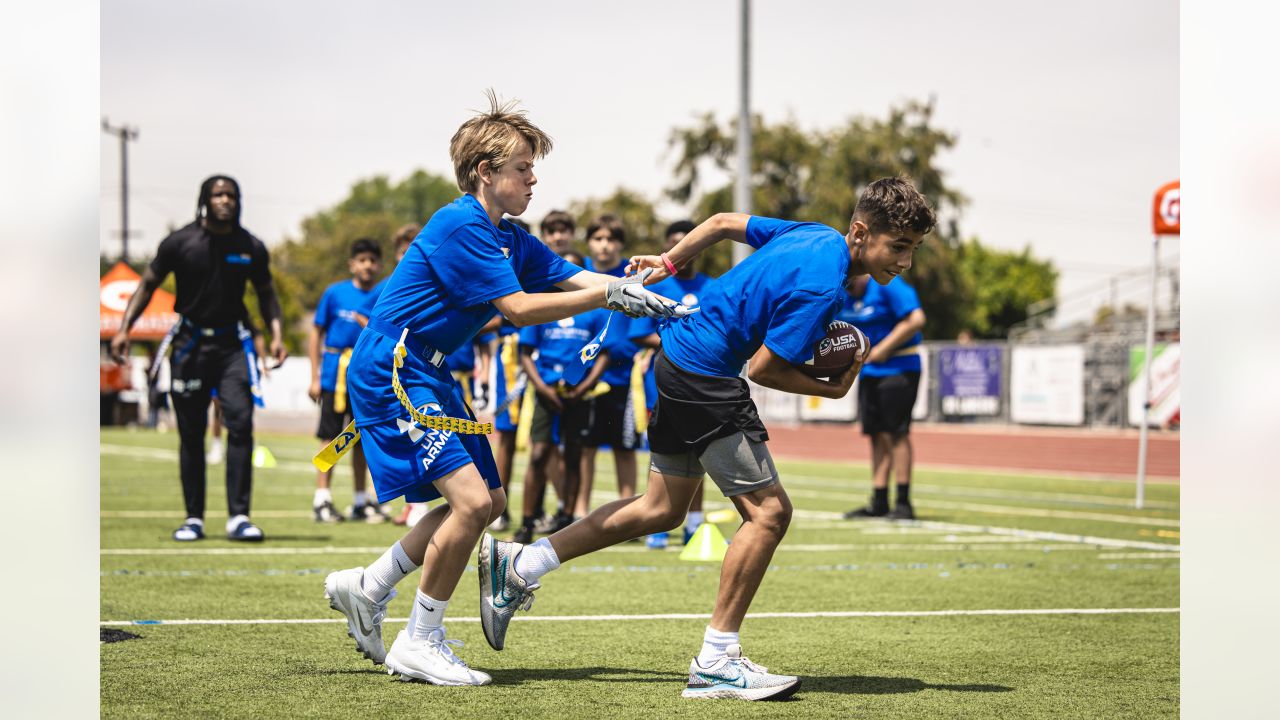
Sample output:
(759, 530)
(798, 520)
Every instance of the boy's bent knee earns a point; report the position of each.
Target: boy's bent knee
(497, 503)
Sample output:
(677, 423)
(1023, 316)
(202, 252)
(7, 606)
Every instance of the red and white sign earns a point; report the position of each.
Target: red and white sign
(114, 290)
(1167, 213)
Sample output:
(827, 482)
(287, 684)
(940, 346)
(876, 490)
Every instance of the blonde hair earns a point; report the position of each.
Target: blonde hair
(405, 235)
(494, 136)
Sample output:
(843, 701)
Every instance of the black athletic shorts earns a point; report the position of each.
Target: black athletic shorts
(693, 410)
(885, 403)
(331, 422)
(611, 420)
(549, 426)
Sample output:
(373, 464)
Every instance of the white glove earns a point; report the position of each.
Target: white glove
(628, 295)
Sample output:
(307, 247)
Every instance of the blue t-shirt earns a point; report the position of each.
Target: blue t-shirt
(442, 291)
(622, 352)
(880, 308)
(783, 296)
(558, 342)
(463, 359)
(335, 315)
(686, 292)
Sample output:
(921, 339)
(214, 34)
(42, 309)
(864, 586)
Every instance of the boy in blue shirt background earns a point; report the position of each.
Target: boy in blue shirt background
(891, 318)
(560, 414)
(687, 285)
(610, 417)
(340, 316)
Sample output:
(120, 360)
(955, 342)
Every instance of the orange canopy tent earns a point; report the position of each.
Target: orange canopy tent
(114, 290)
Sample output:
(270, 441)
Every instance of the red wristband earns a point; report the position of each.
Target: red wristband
(667, 261)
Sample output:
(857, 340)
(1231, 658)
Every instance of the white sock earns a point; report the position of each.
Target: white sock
(195, 521)
(428, 615)
(383, 574)
(362, 498)
(714, 645)
(536, 560)
(322, 496)
(233, 522)
(693, 520)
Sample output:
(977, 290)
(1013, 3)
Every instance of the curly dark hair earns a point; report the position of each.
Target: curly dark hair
(894, 205)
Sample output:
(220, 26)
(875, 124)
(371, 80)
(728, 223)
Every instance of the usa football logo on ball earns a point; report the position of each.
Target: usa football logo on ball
(842, 346)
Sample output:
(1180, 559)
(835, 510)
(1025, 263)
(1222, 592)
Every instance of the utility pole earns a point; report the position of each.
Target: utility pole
(742, 189)
(125, 133)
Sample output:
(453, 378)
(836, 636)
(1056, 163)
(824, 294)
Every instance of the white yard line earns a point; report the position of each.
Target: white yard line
(1016, 510)
(146, 453)
(690, 616)
(927, 490)
(1053, 536)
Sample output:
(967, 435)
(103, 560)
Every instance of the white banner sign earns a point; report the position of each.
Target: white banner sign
(819, 408)
(1166, 390)
(920, 410)
(1046, 385)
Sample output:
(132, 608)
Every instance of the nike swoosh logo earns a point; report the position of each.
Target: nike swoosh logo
(363, 629)
(499, 589)
(401, 567)
(740, 681)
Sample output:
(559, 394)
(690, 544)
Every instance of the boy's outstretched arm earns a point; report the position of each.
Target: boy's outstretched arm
(721, 226)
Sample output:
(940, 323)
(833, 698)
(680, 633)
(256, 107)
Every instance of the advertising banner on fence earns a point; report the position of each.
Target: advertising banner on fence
(1166, 395)
(1046, 385)
(819, 408)
(969, 380)
(920, 410)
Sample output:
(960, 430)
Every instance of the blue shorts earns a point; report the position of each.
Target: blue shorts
(406, 460)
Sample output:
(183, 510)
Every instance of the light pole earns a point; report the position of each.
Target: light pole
(125, 133)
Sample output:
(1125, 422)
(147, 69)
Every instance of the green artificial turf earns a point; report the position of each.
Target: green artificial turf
(986, 541)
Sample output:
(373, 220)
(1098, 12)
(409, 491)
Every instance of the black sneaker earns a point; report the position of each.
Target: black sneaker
(869, 511)
(524, 535)
(902, 511)
(562, 521)
(327, 513)
(544, 525)
(371, 512)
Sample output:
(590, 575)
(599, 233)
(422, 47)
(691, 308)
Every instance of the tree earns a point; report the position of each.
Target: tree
(375, 208)
(1004, 285)
(638, 216)
(818, 176)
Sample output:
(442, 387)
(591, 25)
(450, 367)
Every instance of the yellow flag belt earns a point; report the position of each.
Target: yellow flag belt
(340, 445)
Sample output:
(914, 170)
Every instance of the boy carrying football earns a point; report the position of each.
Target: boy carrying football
(766, 313)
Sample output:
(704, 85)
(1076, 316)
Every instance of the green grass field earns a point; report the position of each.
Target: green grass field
(984, 542)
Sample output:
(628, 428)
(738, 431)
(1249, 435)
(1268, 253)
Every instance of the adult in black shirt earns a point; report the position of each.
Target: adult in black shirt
(212, 259)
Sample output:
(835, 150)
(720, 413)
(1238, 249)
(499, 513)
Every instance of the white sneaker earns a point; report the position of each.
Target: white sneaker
(431, 660)
(364, 616)
(734, 677)
(418, 512)
(216, 454)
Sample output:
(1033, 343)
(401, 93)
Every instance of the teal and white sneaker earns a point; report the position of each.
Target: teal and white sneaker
(502, 591)
(734, 677)
(364, 616)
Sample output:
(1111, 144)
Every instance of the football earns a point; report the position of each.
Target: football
(842, 346)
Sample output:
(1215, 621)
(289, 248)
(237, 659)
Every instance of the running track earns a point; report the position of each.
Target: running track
(1096, 453)
(1108, 453)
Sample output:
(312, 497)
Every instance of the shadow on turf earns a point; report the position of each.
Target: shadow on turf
(870, 685)
(516, 676)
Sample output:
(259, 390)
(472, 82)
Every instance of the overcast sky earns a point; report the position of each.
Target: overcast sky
(1067, 114)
